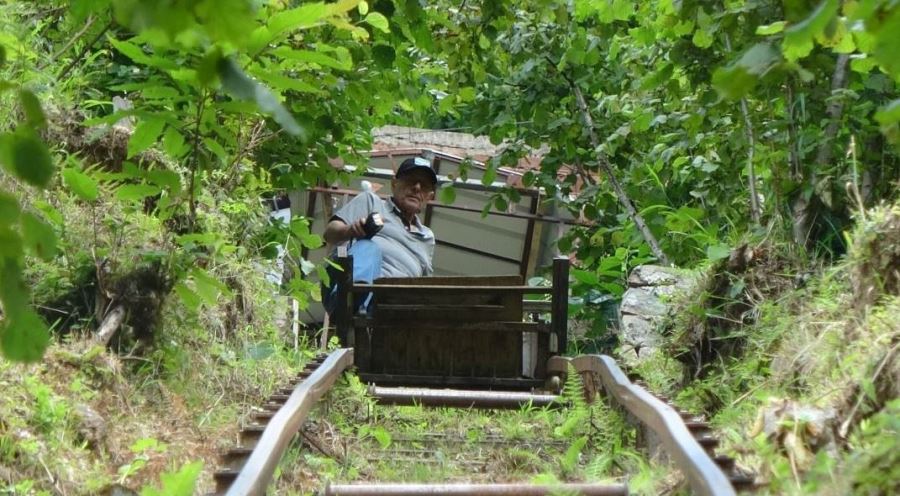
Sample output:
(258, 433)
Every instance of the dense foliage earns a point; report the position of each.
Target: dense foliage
(715, 118)
(684, 127)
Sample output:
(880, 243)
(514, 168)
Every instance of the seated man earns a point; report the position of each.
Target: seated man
(404, 247)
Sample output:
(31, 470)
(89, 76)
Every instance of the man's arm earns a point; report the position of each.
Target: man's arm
(337, 231)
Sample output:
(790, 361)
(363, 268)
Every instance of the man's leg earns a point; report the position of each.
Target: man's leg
(366, 268)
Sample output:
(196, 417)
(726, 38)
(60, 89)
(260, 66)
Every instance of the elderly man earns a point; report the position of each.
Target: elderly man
(403, 247)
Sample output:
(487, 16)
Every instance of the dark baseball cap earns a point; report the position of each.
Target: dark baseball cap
(415, 163)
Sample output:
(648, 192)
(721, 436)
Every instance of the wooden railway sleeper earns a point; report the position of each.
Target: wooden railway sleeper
(702, 431)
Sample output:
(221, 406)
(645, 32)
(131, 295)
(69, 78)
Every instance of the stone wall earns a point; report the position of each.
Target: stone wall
(645, 307)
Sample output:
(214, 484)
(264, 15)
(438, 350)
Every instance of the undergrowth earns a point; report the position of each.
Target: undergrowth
(169, 390)
(809, 400)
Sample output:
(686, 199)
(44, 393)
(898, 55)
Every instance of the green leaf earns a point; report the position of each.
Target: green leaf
(9, 209)
(774, 28)
(159, 92)
(214, 146)
(447, 194)
(197, 239)
(80, 183)
(14, 293)
(181, 483)
(207, 287)
(50, 212)
(735, 80)
(165, 179)
(798, 38)
(145, 135)
(862, 64)
(25, 337)
(887, 45)
(718, 252)
(312, 57)
(305, 16)
(187, 296)
(381, 435)
(281, 82)
(10, 244)
(702, 38)
(378, 21)
(27, 157)
(34, 115)
(889, 114)
(622, 10)
(240, 86)
(467, 94)
(173, 143)
(490, 173)
(586, 277)
(137, 55)
(130, 192)
(38, 236)
(311, 241)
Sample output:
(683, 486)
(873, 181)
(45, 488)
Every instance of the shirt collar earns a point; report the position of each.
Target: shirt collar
(399, 213)
(393, 206)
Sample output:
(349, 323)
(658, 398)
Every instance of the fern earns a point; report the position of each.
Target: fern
(181, 483)
(578, 413)
(573, 389)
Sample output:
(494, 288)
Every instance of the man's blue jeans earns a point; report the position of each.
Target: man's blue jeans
(366, 268)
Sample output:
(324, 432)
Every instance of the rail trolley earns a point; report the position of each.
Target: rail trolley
(475, 323)
(456, 331)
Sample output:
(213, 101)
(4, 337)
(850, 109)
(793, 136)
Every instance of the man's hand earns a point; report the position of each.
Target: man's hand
(337, 231)
(358, 229)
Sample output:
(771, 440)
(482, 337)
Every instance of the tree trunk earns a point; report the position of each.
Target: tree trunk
(751, 170)
(805, 210)
(620, 192)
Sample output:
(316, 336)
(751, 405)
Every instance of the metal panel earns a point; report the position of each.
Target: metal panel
(452, 262)
(502, 236)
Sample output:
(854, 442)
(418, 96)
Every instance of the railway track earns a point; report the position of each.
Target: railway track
(248, 468)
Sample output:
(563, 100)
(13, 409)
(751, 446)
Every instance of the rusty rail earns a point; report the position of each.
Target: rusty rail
(704, 475)
(475, 489)
(256, 472)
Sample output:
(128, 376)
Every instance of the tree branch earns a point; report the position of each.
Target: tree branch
(608, 170)
(110, 325)
(68, 45)
(65, 71)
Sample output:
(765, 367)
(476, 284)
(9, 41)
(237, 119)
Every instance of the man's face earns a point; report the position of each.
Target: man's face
(412, 191)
